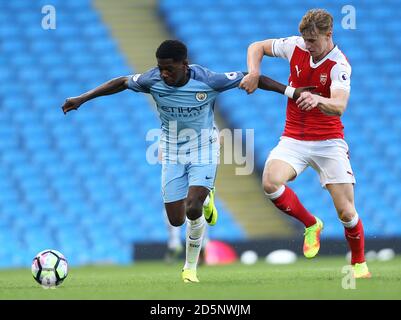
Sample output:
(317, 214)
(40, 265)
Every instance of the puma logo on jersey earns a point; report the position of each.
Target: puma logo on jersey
(298, 71)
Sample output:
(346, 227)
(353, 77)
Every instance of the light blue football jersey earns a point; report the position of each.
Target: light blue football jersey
(186, 112)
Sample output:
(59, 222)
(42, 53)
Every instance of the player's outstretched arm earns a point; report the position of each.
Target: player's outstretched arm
(269, 84)
(110, 87)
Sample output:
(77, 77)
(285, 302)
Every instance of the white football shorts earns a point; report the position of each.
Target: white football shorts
(329, 158)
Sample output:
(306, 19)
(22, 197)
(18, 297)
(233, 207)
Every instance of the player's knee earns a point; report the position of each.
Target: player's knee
(271, 185)
(176, 221)
(194, 209)
(271, 182)
(346, 214)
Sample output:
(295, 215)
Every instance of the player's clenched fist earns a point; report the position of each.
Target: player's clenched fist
(71, 104)
(249, 83)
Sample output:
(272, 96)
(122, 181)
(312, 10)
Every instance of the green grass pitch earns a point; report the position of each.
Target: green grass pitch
(320, 278)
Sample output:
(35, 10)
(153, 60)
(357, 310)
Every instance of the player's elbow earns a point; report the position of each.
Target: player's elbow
(124, 82)
(341, 109)
(333, 110)
(336, 108)
(337, 113)
(256, 47)
(339, 103)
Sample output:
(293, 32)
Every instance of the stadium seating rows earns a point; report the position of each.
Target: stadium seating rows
(217, 34)
(78, 183)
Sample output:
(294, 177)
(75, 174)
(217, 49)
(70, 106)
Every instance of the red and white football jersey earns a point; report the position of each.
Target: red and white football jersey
(332, 72)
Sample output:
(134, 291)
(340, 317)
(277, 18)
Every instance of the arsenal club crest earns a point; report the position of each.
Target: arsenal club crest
(323, 78)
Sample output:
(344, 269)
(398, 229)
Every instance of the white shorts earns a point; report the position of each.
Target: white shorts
(328, 157)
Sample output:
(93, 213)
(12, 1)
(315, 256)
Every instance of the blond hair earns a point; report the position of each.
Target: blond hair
(316, 21)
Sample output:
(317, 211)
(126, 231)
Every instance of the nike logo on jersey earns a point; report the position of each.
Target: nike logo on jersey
(298, 71)
(161, 95)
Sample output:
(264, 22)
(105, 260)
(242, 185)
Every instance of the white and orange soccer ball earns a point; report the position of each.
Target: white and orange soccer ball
(49, 268)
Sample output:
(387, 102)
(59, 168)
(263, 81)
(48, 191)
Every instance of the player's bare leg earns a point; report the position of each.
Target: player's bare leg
(196, 225)
(176, 212)
(275, 175)
(343, 198)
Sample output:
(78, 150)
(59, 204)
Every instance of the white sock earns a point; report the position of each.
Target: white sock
(195, 230)
(174, 239)
(277, 194)
(352, 223)
(205, 239)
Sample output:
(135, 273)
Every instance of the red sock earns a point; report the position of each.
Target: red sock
(356, 241)
(289, 203)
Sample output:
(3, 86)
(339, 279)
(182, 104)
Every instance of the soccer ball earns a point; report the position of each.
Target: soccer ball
(49, 268)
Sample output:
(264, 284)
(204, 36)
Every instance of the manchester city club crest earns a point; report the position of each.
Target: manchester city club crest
(201, 96)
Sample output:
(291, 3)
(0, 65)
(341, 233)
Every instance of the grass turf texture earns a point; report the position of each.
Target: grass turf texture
(320, 278)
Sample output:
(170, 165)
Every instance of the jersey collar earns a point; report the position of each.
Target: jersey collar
(332, 53)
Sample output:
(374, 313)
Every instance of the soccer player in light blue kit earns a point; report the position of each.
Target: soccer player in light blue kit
(185, 96)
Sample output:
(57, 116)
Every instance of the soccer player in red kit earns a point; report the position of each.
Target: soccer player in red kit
(313, 134)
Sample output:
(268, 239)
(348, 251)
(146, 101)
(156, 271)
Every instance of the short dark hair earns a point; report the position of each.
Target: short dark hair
(172, 49)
